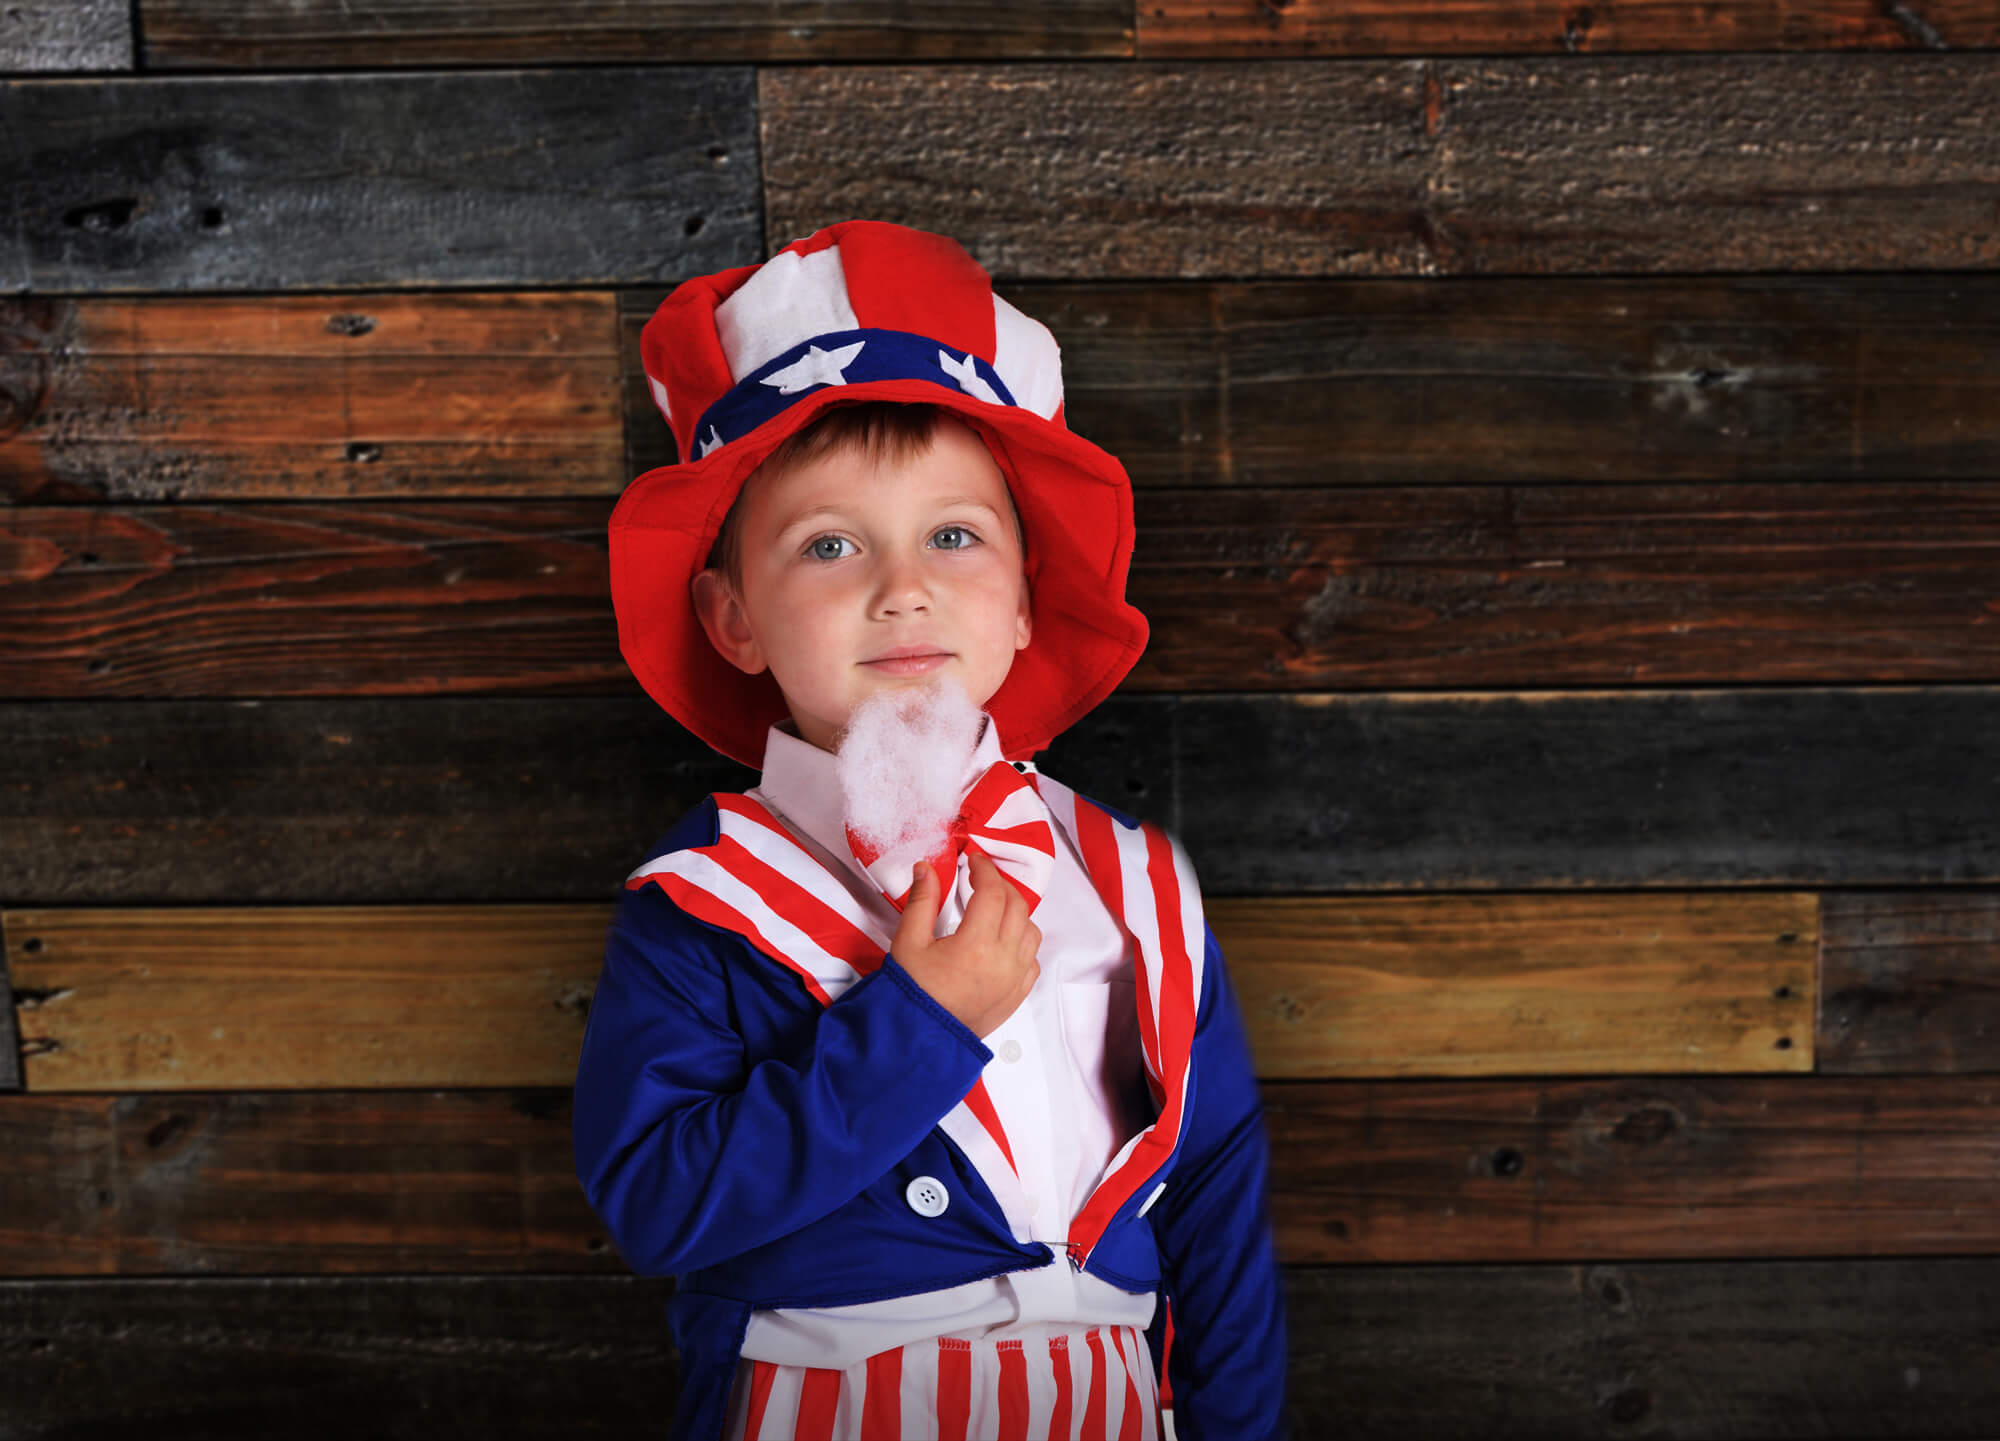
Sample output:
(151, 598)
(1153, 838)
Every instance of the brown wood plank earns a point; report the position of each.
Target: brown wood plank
(1654, 1168)
(374, 33)
(1911, 982)
(304, 182)
(298, 397)
(310, 1182)
(57, 35)
(556, 799)
(1454, 380)
(10, 1038)
(1671, 163)
(1377, 588)
(376, 996)
(1824, 1349)
(1214, 29)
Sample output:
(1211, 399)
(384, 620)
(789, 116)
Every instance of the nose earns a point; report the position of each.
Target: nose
(900, 588)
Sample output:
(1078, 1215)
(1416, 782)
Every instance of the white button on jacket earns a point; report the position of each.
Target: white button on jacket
(927, 1196)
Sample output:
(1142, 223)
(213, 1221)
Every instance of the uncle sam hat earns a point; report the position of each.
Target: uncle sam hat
(740, 360)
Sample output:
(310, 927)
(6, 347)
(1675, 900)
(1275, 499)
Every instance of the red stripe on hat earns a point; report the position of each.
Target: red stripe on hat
(705, 907)
(899, 279)
(882, 1410)
(981, 1105)
(762, 1374)
(954, 1394)
(1128, 1419)
(679, 348)
(1013, 1392)
(1093, 1405)
(1059, 1422)
(819, 1397)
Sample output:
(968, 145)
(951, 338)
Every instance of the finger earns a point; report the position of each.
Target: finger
(920, 906)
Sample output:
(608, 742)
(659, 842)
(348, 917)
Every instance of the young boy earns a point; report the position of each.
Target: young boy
(917, 1070)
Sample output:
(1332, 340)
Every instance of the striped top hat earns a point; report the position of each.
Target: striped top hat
(740, 360)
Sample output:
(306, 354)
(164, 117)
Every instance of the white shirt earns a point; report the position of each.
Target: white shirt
(1066, 1079)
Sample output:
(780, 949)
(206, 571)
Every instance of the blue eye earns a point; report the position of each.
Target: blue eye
(828, 547)
(954, 537)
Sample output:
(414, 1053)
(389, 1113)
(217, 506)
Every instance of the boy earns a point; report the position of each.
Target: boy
(918, 1071)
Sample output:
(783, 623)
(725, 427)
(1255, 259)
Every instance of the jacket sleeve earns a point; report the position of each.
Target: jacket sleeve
(689, 1152)
(1226, 1365)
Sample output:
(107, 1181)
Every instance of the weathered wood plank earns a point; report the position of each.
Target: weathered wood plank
(1378, 588)
(400, 1358)
(10, 1039)
(312, 1182)
(1911, 982)
(375, 996)
(334, 1182)
(1653, 1168)
(555, 799)
(1208, 30)
(51, 35)
(293, 182)
(1754, 162)
(301, 397)
(374, 33)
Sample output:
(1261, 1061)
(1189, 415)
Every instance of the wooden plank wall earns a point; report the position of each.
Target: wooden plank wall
(1568, 451)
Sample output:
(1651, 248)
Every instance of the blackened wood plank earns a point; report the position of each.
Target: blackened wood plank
(294, 182)
(455, 800)
(10, 1040)
(297, 397)
(1208, 30)
(1453, 380)
(1800, 787)
(1911, 982)
(1651, 1168)
(51, 35)
(1791, 162)
(1419, 587)
(1698, 1351)
(263, 998)
(312, 1182)
(402, 1358)
(327, 33)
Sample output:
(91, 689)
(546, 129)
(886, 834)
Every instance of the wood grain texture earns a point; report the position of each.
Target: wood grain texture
(399, 1358)
(302, 182)
(380, 33)
(10, 1039)
(343, 997)
(1522, 985)
(461, 800)
(301, 397)
(57, 35)
(1266, 590)
(1099, 171)
(1650, 1168)
(1746, 1350)
(307, 1182)
(1213, 29)
(1911, 982)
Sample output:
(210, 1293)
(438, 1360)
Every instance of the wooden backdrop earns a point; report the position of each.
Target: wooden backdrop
(1566, 440)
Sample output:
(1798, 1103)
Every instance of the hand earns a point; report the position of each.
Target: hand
(982, 971)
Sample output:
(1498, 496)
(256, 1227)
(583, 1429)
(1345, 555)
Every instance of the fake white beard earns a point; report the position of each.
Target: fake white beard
(904, 762)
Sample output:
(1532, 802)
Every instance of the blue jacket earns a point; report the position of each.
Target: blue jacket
(738, 1133)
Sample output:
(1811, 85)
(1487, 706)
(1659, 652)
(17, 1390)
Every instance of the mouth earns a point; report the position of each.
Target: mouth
(908, 660)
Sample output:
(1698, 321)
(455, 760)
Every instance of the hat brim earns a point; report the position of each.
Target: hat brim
(1075, 503)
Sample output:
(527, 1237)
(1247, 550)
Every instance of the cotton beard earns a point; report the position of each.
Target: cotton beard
(904, 763)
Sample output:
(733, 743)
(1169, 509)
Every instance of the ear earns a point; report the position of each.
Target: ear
(721, 614)
(1024, 618)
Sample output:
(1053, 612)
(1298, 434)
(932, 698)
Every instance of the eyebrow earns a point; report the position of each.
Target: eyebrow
(806, 518)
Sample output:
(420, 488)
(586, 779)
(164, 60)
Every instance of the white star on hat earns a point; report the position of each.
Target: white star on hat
(815, 367)
(968, 377)
(707, 443)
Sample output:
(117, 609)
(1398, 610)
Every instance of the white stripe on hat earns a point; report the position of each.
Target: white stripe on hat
(660, 399)
(1028, 360)
(791, 299)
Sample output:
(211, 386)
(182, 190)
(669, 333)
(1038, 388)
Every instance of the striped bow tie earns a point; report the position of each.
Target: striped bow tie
(1002, 817)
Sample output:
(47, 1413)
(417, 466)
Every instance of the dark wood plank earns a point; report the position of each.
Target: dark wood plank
(1208, 30)
(295, 182)
(1279, 590)
(394, 1357)
(10, 1037)
(1912, 982)
(324, 34)
(1790, 162)
(1645, 1169)
(57, 35)
(455, 800)
(1698, 1351)
(297, 397)
(310, 1182)
(1418, 382)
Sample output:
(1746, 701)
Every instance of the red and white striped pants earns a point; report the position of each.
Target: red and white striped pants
(1084, 1385)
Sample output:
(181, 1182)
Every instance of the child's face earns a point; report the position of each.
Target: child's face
(863, 574)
